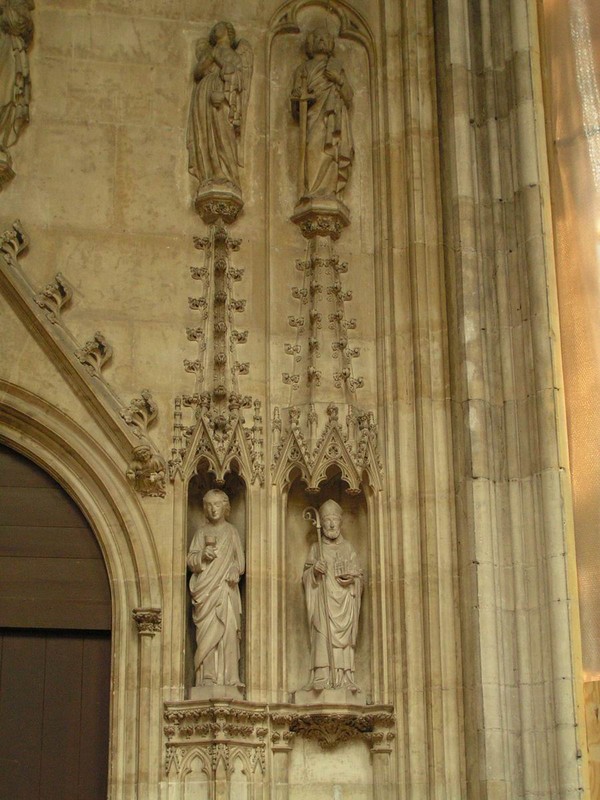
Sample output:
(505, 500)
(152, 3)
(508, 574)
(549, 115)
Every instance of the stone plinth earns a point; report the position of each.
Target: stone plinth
(329, 697)
(321, 216)
(218, 202)
(216, 692)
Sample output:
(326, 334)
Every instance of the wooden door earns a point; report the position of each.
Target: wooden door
(55, 644)
(54, 704)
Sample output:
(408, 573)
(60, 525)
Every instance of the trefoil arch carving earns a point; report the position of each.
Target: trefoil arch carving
(353, 451)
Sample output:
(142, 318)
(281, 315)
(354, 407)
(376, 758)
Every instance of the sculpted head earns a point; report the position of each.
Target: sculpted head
(222, 31)
(319, 40)
(142, 453)
(331, 519)
(216, 505)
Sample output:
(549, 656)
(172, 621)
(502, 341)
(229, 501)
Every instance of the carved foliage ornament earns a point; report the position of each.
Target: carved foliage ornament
(95, 353)
(332, 728)
(148, 620)
(54, 297)
(84, 364)
(219, 435)
(140, 413)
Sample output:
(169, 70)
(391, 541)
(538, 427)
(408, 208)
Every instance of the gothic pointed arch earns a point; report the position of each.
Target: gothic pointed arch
(97, 484)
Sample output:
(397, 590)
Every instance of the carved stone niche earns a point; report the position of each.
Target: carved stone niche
(235, 488)
(299, 536)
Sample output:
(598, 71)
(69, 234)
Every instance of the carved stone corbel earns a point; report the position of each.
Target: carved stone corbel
(332, 727)
(147, 472)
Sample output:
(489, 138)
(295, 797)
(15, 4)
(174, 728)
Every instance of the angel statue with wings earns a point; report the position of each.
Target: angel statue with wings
(217, 116)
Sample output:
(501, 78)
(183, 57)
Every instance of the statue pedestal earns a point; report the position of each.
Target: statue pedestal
(214, 202)
(328, 697)
(321, 216)
(215, 691)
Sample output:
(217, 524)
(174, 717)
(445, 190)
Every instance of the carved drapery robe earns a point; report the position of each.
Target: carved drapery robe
(329, 143)
(340, 618)
(216, 605)
(16, 30)
(213, 132)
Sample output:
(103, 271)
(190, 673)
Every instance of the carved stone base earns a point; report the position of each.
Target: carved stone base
(216, 692)
(321, 216)
(218, 734)
(218, 202)
(329, 697)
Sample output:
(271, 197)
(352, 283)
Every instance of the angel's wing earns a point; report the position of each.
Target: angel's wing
(244, 51)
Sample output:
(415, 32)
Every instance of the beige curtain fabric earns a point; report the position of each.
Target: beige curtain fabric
(571, 37)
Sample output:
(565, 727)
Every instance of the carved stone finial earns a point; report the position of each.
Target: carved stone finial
(146, 472)
(14, 240)
(216, 122)
(95, 353)
(140, 412)
(321, 93)
(148, 620)
(54, 297)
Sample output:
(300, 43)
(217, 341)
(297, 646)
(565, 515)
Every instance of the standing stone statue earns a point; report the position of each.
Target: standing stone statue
(218, 113)
(216, 560)
(333, 583)
(16, 33)
(321, 98)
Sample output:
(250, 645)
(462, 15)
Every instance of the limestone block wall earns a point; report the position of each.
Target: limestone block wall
(447, 425)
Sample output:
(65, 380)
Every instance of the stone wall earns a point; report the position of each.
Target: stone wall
(396, 339)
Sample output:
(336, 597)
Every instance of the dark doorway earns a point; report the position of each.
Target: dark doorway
(55, 618)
